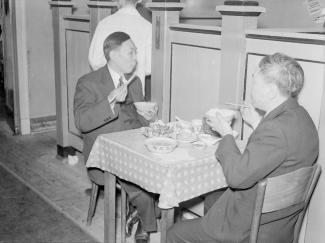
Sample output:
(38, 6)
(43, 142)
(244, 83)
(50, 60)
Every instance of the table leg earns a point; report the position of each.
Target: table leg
(167, 220)
(109, 207)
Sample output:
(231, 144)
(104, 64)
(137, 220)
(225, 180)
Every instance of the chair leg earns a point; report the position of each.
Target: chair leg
(92, 203)
(123, 214)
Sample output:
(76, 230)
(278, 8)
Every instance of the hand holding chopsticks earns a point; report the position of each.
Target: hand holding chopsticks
(119, 94)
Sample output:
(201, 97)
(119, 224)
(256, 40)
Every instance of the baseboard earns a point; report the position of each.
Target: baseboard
(41, 124)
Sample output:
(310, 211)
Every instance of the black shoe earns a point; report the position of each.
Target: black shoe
(141, 236)
(131, 219)
(100, 192)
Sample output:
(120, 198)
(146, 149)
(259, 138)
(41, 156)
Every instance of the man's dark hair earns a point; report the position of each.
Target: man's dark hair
(114, 41)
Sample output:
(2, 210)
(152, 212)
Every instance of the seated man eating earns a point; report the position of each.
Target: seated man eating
(284, 139)
(104, 103)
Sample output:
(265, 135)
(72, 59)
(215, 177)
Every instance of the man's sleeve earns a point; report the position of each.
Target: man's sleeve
(88, 113)
(265, 151)
(96, 55)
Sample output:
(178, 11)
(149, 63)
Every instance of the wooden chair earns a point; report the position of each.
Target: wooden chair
(93, 203)
(283, 191)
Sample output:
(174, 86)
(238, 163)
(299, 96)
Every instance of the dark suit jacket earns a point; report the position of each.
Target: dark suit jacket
(92, 112)
(284, 141)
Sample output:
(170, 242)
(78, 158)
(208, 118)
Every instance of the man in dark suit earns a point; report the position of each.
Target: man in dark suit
(284, 139)
(103, 103)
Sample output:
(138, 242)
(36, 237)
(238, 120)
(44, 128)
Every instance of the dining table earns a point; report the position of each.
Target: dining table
(189, 171)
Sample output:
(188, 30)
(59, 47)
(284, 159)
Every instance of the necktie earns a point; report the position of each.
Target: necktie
(120, 82)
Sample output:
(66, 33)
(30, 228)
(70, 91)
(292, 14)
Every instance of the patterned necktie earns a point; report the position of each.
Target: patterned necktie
(120, 82)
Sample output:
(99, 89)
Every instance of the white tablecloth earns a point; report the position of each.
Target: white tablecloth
(185, 173)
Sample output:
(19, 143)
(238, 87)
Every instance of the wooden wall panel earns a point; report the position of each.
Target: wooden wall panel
(77, 44)
(194, 80)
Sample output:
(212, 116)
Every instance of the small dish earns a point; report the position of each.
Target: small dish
(160, 145)
(209, 139)
(186, 137)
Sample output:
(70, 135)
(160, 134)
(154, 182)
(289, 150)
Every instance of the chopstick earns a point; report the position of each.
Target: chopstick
(235, 104)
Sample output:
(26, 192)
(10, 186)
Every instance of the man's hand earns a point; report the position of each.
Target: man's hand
(118, 95)
(219, 124)
(250, 115)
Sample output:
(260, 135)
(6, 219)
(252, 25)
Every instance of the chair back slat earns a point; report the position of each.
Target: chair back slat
(287, 190)
(283, 191)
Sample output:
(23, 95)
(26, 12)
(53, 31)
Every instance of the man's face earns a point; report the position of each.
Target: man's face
(125, 57)
(260, 90)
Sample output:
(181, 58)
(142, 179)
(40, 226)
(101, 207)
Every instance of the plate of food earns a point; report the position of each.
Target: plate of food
(160, 145)
(158, 129)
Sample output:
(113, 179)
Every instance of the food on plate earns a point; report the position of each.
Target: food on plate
(158, 129)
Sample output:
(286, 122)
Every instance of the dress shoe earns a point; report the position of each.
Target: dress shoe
(131, 219)
(141, 236)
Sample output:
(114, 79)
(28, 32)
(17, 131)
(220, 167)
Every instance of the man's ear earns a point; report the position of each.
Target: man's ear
(112, 55)
(273, 91)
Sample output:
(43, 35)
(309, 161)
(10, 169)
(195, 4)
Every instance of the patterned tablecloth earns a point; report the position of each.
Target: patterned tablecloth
(185, 173)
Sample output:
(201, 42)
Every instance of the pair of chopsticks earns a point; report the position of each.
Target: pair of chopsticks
(237, 105)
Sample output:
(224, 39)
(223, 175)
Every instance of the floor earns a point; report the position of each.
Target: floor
(32, 159)
(25, 217)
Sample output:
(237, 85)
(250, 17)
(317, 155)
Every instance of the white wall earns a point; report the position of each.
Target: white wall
(40, 58)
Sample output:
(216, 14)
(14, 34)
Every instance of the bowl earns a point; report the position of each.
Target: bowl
(227, 114)
(146, 106)
(160, 145)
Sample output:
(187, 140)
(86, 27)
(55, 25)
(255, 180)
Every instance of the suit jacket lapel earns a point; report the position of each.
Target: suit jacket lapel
(107, 79)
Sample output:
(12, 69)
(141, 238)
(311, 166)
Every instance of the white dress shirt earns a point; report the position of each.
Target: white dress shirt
(127, 20)
(115, 76)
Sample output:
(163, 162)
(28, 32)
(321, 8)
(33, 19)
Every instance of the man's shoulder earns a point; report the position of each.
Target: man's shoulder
(92, 77)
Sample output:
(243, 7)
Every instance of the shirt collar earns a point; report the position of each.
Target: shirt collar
(115, 76)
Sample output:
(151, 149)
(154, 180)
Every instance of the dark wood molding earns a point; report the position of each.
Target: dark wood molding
(235, 13)
(286, 39)
(201, 31)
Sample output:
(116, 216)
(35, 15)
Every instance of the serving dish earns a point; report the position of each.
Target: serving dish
(160, 145)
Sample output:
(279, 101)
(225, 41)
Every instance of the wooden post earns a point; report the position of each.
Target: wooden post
(99, 9)
(60, 9)
(235, 21)
(163, 14)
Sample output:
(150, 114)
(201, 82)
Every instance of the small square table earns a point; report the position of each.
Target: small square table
(183, 174)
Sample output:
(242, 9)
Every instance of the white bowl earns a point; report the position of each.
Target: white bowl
(160, 145)
(145, 106)
(227, 114)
